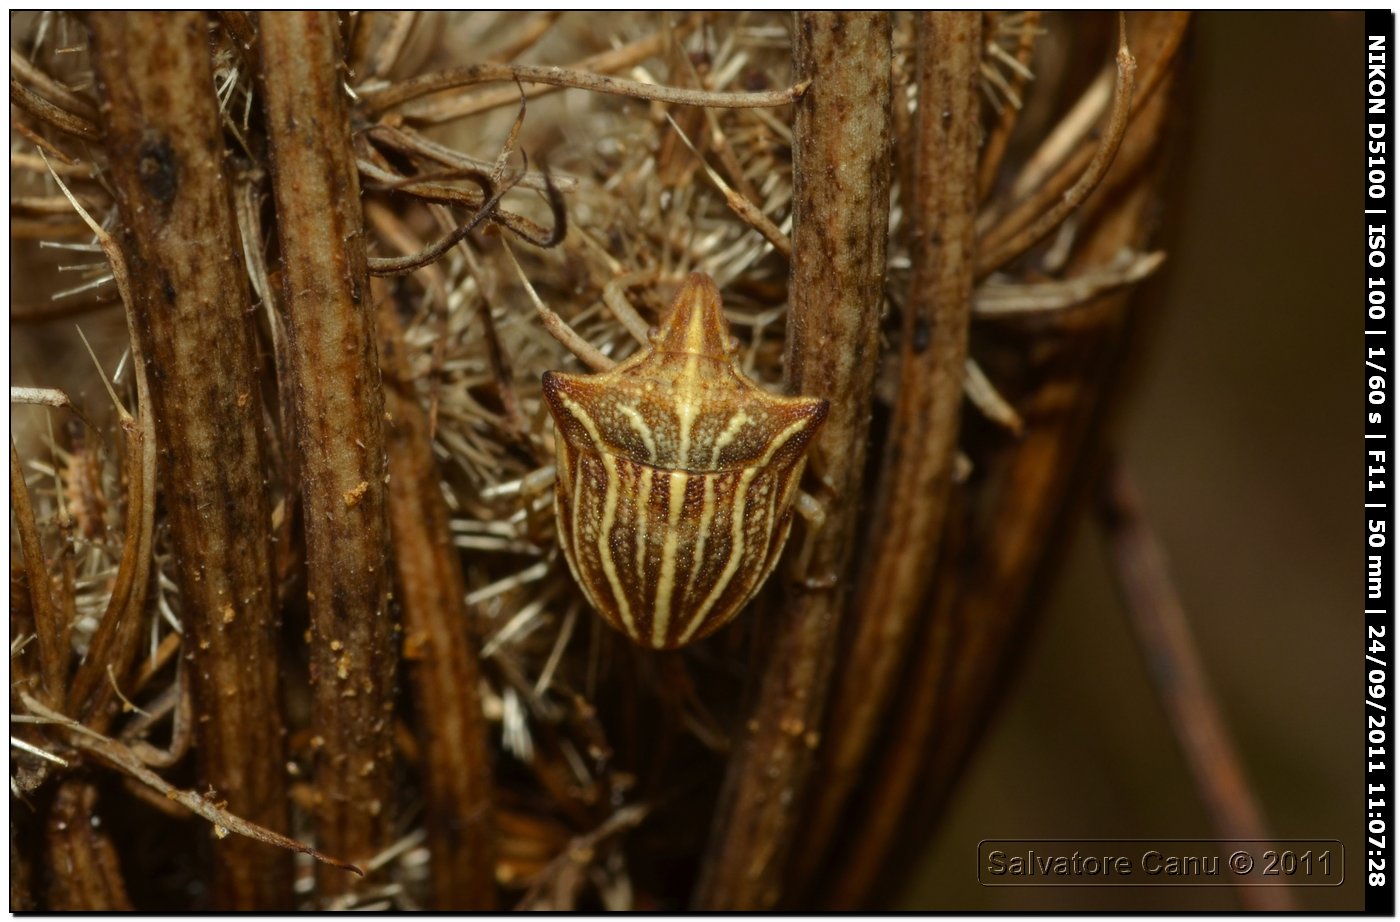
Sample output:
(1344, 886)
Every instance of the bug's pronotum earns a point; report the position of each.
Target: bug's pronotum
(676, 477)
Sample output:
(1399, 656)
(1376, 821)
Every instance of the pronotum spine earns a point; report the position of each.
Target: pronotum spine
(676, 476)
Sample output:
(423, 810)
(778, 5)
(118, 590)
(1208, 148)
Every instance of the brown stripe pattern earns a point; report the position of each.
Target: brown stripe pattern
(676, 476)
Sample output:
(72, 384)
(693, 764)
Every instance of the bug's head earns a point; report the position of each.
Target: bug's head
(696, 323)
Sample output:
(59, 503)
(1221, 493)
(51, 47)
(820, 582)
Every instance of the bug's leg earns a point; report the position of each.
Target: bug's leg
(813, 512)
(614, 296)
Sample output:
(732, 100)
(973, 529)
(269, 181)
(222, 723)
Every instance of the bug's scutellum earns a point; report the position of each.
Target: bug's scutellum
(676, 477)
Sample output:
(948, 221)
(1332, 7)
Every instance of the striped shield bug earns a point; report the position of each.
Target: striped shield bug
(676, 476)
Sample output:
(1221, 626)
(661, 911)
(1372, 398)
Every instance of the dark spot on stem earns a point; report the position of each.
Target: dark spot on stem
(158, 169)
(921, 334)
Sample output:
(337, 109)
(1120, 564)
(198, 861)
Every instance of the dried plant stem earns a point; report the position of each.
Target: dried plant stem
(1051, 169)
(607, 62)
(73, 171)
(113, 644)
(339, 418)
(40, 205)
(751, 214)
(438, 646)
(1038, 174)
(122, 758)
(1010, 300)
(1174, 665)
(25, 70)
(911, 505)
(556, 326)
(182, 246)
(286, 557)
(1000, 136)
(525, 32)
(87, 875)
(1023, 228)
(22, 229)
(53, 659)
(407, 141)
(841, 201)
(379, 39)
(50, 113)
(985, 580)
(385, 100)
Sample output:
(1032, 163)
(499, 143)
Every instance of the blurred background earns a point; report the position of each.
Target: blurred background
(1243, 433)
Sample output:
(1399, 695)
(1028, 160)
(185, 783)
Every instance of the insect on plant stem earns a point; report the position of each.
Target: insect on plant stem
(676, 477)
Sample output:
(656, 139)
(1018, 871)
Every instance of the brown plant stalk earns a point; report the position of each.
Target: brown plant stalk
(180, 237)
(908, 516)
(112, 648)
(78, 844)
(340, 433)
(986, 579)
(1169, 650)
(841, 212)
(438, 646)
(53, 658)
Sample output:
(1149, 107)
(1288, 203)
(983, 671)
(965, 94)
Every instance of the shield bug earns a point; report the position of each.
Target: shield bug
(676, 476)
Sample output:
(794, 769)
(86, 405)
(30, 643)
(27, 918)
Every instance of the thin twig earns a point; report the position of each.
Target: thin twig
(50, 113)
(407, 141)
(41, 396)
(379, 41)
(606, 62)
(45, 85)
(121, 758)
(402, 265)
(1010, 238)
(114, 642)
(569, 865)
(741, 206)
(37, 164)
(41, 205)
(423, 188)
(53, 659)
(998, 299)
(615, 297)
(1174, 665)
(18, 125)
(585, 351)
(1000, 136)
(982, 394)
(527, 31)
(1057, 152)
(392, 97)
